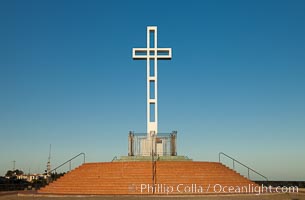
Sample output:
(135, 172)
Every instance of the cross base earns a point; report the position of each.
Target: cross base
(155, 145)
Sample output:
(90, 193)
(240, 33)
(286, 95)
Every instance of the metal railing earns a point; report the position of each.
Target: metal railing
(138, 144)
(248, 168)
(114, 158)
(69, 161)
(154, 170)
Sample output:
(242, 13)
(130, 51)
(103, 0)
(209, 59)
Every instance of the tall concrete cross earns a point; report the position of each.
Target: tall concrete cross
(152, 54)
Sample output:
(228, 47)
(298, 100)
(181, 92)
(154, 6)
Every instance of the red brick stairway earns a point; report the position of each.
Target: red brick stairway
(167, 177)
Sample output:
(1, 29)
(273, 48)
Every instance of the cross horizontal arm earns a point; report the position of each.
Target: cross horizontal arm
(162, 53)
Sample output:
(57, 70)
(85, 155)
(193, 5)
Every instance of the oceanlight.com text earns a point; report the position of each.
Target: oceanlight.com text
(211, 188)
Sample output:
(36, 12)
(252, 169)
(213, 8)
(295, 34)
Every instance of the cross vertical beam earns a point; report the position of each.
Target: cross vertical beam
(152, 54)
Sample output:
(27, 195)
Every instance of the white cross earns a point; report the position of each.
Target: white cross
(151, 54)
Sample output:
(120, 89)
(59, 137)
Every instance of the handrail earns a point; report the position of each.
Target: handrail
(153, 162)
(69, 161)
(114, 158)
(234, 160)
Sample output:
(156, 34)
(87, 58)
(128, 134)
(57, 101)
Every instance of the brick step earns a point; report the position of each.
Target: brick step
(193, 172)
(127, 185)
(113, 182)
(159, 179)
(200, 179)
(118, 177)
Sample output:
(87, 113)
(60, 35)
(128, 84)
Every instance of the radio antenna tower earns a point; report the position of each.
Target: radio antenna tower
(49, 162)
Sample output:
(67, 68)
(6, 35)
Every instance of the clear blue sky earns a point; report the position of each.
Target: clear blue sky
(236, 82)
